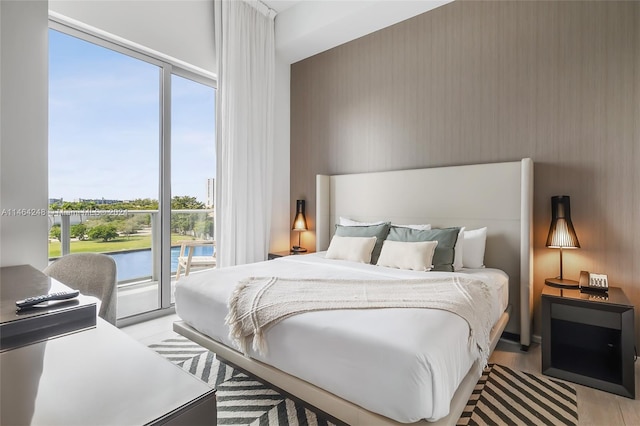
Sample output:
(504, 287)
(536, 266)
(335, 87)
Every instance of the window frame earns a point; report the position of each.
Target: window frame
(168, 66)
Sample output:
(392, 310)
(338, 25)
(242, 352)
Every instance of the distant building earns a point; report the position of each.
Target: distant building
(211, 193)
(98, 201)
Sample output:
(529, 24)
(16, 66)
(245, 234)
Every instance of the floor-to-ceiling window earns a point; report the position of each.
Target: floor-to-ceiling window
(131, 156)
(192, 167)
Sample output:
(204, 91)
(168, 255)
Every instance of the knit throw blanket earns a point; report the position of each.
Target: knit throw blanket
(257, 303)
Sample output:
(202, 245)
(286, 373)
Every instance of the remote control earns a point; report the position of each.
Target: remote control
(61, 295)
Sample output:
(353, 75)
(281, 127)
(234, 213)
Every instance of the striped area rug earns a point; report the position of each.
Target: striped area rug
(502, 396)
(508, 397)
(241, 400)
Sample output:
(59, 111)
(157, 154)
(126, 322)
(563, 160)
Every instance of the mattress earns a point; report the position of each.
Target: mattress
(404, 364)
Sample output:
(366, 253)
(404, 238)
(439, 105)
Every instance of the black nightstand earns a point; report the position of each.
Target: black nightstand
(588, 338)
(277, 254)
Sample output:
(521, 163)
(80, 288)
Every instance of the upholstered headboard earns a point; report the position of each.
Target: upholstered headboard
(496, 195)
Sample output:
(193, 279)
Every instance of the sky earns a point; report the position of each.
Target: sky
(104, 126)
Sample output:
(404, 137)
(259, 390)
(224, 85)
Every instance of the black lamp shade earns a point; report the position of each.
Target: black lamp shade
(300, 221)
(561, 232)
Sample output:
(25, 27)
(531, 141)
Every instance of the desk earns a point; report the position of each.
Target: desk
(33, 325)
(97, 376)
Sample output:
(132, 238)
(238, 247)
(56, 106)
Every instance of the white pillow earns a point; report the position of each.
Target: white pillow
(348, 222)
(354, 249)
(474, 245)
(416, 256)
(426, 227)
(458, 250)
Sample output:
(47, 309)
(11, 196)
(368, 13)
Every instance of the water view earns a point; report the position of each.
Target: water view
(137, 263)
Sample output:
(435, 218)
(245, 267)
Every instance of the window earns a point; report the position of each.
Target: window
(131, 138)
(192, 168)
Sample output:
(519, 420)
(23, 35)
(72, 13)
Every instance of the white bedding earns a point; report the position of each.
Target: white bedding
(404, 364)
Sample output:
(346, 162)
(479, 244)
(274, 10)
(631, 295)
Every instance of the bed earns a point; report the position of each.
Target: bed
(367, 366)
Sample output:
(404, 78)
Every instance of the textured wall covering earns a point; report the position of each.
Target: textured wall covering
(474, 82)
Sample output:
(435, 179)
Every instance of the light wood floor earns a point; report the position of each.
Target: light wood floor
(594, 407)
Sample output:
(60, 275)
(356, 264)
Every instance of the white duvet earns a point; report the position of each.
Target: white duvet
(404, 364)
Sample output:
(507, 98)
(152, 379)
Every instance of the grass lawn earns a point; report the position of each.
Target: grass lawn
(122, 243)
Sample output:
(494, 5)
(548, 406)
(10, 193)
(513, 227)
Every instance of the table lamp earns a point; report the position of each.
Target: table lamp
(299, 225)
(562, 236)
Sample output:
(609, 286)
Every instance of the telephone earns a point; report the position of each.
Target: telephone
(597, 282)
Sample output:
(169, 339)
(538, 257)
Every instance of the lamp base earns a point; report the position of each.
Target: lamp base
(298, 249)
(557, 282)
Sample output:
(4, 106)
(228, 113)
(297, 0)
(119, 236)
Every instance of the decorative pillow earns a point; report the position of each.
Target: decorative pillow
(425, 227)
(446, 238)
(458, 250)
(348, 222)
(378, 231)
(355, 249)
(474, 245)
(416, 256)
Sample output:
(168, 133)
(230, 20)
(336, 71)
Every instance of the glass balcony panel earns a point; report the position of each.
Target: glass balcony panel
(133, 252)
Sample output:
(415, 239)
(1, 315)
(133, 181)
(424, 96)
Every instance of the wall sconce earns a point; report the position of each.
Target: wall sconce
(561, 235)
(299, 225)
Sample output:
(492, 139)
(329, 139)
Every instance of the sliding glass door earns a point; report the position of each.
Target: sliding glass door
(115, 173)
(193, 168)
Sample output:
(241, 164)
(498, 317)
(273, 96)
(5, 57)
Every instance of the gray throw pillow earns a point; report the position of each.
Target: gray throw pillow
(446, 238)
(378, 231)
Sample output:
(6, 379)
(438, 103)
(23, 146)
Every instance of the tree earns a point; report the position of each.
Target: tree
(79, 231)
(104, 232)
(183, 223)
(55, 231)
(128, 226)
(68, 205)
(203, 228)
(140, 204)
(142, 220)
(179, 202)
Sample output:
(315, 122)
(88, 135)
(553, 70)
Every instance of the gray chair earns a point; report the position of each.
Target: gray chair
(93, 274)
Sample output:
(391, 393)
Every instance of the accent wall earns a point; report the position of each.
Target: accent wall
(476, 82)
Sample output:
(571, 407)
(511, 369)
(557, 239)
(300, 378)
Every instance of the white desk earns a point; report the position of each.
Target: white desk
(98, 376)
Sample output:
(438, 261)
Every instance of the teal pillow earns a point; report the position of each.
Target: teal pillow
(445, 250)
(378, 231)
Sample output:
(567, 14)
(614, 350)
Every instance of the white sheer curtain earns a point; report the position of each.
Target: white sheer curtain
(245, 50)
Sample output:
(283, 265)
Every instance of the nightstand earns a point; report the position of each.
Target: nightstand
(588, 338)
(277, 254)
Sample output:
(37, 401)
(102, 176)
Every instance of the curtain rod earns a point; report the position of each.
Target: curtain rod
(262, 8)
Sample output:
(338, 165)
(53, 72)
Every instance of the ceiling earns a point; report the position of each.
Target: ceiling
(307, 27)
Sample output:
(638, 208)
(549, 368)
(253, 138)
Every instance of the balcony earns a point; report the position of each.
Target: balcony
(136, 248)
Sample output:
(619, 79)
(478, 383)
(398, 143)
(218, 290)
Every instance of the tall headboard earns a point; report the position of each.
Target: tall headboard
(496, 195)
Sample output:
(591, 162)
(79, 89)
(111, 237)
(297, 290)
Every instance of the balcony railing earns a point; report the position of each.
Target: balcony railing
(187, 224)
